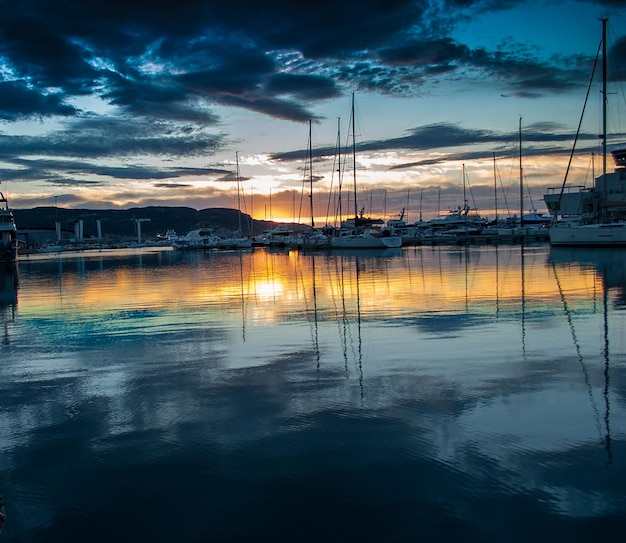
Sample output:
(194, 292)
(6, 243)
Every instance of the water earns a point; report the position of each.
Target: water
(426, 394)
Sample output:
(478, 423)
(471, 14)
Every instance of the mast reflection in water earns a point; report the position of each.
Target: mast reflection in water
(431, 393)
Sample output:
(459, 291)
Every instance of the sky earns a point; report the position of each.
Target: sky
(211, 103)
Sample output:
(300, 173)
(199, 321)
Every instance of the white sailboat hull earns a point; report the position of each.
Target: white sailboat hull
(589, 235)
(606, 226)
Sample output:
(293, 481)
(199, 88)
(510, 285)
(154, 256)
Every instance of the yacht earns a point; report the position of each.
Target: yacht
(360, 233)
(8, 232)
(594, 217)
(199, 239)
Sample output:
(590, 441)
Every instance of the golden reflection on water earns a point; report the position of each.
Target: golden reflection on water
(275, 284)
(214, 366)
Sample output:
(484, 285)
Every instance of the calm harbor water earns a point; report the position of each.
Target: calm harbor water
(438, 394)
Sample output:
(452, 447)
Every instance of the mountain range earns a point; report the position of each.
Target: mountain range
(121, 224)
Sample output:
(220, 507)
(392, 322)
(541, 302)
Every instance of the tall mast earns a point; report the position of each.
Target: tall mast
(521, 178)
(408, 196)
(464, 189)
(438, 202)
(495, 187)
(465, 210)
(339, 169)
(356, 214)
(311, 174)
(421, 198)
(238, 193)
(604, 101)
(384, 204)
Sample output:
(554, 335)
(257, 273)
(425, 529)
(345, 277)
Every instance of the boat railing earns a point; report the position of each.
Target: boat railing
(568, 189)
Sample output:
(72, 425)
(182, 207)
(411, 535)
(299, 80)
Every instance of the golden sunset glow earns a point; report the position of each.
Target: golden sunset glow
(268, 283)
(278, 271)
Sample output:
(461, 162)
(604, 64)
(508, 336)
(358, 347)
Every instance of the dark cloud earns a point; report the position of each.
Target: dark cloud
(515, 68)
(157, 98)
(305, 87)
(19, 102)
(165, 67)
(74, 167)
(114, 137)
(541, 138)
(101, 140)
(172, 186)
(443, 51)
(173, 61)
(45, 57)
(610, 3)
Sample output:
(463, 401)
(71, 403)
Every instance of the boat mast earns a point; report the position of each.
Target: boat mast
(421, 200)
(604, 100)
(495, 187)
(465, 206)
(339, 168)
(384, 203)
(521, 178)
(356, 215)
(311, 174)
(239, 232)
(464, 189)
(438, 202)
(408, 196)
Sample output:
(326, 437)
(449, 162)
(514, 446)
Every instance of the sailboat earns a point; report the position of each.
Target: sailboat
(361, 232)
(8, 232)
(531, 225)
(460, 224)
(605, 224)
(315, 238)
(238, 241)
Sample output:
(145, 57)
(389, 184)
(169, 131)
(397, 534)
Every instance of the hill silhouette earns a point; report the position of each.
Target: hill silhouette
(121, 223)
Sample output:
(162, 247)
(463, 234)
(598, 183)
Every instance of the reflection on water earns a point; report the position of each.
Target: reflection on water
(610, 268)
(435, 393)
(9, 281)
